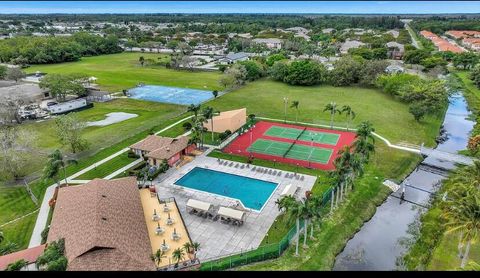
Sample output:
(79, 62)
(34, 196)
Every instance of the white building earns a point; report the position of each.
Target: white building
(67, 106)
(270, 43)
(348, 44)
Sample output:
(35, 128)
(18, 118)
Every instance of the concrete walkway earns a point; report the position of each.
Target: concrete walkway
(42, 217)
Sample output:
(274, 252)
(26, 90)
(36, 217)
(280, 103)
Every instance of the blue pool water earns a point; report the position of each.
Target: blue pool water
(175, 95)
(251, 192)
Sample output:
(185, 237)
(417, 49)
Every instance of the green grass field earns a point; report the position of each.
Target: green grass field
(307, 135)
(107, 168)
(300, 152)
(123, 71)
(390, 117)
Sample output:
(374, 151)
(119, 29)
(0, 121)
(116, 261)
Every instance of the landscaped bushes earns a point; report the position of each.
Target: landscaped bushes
(301, 72)
(224, 135)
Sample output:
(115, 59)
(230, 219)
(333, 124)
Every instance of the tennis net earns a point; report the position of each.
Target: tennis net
(294, 142)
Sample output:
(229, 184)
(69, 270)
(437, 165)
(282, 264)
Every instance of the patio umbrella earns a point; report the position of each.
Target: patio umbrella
(174, 231)
(169, 215)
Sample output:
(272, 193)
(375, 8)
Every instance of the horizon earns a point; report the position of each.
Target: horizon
(240, 7)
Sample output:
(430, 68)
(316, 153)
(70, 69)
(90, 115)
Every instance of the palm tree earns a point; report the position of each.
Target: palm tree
(364, 148)
(365, 130)
(141, 60)
(284, 202)
(462, 215)
(187, 247)
(157, 256)
(295, 211)
(332, 108)
(314, 204)
(295, 104)
(2, 237)
(177, 256)
(8, 248)
(195, 247)
(55, 162)
(194, 108)
(349, 113)
(208, 113)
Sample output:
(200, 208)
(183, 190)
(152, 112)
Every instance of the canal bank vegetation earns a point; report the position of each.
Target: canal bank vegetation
(334, 231)
(472, 95)
(446, 236)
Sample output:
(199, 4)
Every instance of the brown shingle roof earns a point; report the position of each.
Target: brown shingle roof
(170, 149)
(151, 143)
(103, 225)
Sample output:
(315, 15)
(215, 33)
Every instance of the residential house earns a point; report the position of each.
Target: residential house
(472, 43)
(395, 50)
(156, 148)
(103, 225)
(349, 44)
(441, 43)
(231, 58)
(30, 255)
(270, 43)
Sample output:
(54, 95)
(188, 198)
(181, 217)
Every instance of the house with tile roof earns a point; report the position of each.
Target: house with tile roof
(30, 255)
(103, 225)
(157, 148)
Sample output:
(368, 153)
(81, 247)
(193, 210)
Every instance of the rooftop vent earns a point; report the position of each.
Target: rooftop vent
(104, 218)
(104, 196)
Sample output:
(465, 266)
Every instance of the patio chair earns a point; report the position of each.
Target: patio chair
(248, 165)
(236, 165)
(269, 171)
(274, 172)
(302, 178)
(279, 173)
(253, 168)
(242, 167)
(287, 175)
(297, 177)
(231, 164)
(200, 213)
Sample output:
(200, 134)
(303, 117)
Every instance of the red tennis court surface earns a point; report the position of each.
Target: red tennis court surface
(240, 146)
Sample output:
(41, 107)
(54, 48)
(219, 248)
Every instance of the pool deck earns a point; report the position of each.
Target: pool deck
(217, 239)
(150, 203)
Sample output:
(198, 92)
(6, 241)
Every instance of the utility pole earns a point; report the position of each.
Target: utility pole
(285, 101)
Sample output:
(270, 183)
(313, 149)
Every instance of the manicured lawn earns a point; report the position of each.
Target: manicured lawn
(123, 71)
(445, 255)
(107, 168)
(20, 231)
(390, 117)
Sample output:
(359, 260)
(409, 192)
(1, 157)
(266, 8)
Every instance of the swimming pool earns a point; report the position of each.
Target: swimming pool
(253, 193)
(175, 95)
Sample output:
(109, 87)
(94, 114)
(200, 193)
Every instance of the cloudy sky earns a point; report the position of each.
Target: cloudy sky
(352, 7)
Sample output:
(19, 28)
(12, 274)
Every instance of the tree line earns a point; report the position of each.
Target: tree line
(46, 50)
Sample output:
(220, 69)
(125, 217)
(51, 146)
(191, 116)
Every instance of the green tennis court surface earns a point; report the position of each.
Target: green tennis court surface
(293, 133)
(300, 152)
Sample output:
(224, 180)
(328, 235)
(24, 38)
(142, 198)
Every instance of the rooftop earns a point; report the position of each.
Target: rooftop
(30, 255)
(103, 226)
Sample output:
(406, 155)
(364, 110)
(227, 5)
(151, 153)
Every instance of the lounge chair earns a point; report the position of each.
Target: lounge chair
(270, 171)
(242, 167)
(302, 178)
(279, 173)
(287, 174)
(231, 164)
(236, 165)
(297, 177)
(274, 172)
(254, 168)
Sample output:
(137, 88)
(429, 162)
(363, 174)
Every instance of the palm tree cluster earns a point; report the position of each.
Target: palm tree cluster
(201, 116)
(333, 109)
(178, 254)
(350, 161)
(56, 162)
(461, 209)
(349, 165)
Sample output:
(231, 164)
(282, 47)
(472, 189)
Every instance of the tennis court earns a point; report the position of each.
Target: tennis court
(292, 144)
(303, 135)
(291, 150)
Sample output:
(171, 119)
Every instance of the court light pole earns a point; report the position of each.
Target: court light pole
(285, 101)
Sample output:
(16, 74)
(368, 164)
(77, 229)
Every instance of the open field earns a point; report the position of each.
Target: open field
(123, 71)
(390, 117)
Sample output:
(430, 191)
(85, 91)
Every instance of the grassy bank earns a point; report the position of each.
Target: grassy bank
(123, 71)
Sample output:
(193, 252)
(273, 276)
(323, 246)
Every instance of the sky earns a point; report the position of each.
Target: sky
(348, 7)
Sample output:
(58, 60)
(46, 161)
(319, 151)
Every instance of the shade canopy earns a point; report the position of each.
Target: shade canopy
(231, 213)
(289, 190)
(192, 203)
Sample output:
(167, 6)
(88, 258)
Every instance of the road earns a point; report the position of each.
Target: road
(415, 42)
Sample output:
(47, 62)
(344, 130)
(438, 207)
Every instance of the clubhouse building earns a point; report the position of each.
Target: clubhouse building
(156, 148)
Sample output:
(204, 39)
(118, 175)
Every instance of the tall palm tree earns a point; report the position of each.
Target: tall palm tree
(198, 130)
(314, 205)
(178, 255)
(364, 148)
(284, 202)
(55, 163)
(295, 211)
(462, 214)
(349, 113)
(194, 109)
(295, 104)
(158, 256)
(365, 130)
(187, 247)
(208, 113)
(332, 108)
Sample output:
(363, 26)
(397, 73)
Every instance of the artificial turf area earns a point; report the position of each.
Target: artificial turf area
(123, 71)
